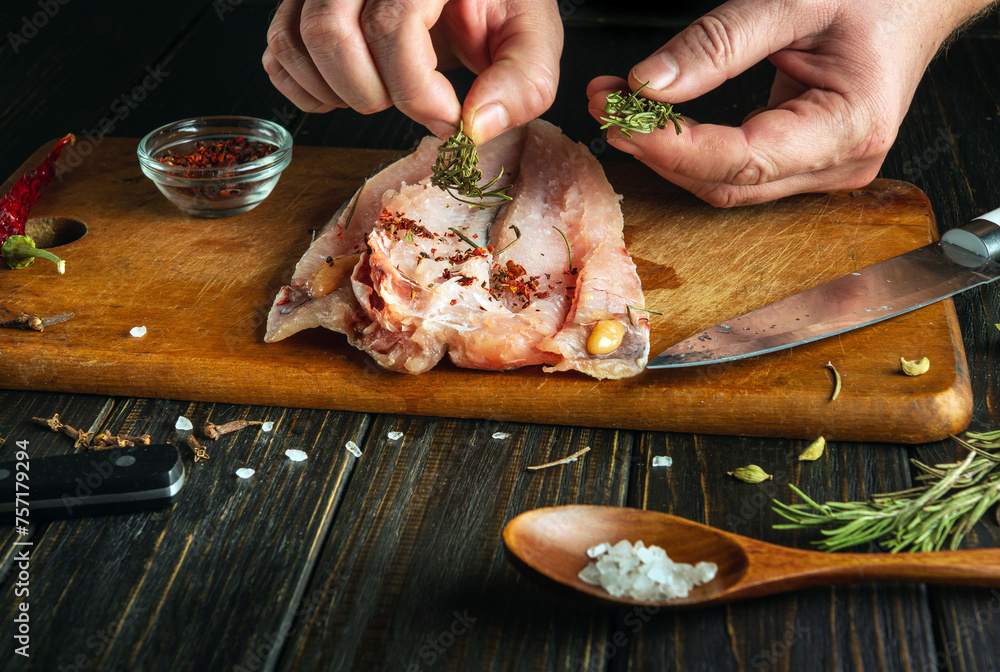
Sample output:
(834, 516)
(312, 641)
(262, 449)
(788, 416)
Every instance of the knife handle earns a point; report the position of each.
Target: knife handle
(981, 236)
(90, 483)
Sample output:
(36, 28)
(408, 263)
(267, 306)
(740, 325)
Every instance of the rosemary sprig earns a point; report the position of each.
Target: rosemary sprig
(465, 239)
(456, 171)
(633, 113)
(949, 502)
(569, 248)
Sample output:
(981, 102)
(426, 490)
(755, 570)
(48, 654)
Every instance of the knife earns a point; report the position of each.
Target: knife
(964, 258)
(87, 484)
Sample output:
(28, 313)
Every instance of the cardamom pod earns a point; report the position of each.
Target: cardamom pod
(751, 474)
(814, 450)
(916, 367)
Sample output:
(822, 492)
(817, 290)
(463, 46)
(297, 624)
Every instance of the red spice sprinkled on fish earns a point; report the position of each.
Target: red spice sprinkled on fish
(394, 223)
(513, 278)
(465, 255)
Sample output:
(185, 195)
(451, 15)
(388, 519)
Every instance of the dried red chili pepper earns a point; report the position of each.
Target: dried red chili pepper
(219, 154)
(17, 247)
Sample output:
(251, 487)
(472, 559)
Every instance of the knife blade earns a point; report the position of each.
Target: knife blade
(964, 258)
(88, 484)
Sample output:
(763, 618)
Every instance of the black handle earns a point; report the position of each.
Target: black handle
(92, 483)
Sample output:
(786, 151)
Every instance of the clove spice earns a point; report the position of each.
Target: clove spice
(34, 322)
(212, 431)
(200, 453)
(106, 440)
(80, 438)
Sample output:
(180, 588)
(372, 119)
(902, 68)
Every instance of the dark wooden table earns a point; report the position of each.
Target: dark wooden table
(394, 561)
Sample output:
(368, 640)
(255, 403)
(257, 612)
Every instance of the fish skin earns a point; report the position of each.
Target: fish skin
(397, 305)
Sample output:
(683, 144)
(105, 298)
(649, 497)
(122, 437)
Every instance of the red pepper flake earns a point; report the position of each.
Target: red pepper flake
(513, 278)
(453, 302)
(394, 223)
(17, 247)
(219, 154)
(466, 280)
(466, 255)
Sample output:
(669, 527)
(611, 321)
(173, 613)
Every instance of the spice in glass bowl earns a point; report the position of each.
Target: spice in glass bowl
(219, 154)
(216, 166)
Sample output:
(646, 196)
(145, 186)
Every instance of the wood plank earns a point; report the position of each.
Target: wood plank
(249, 545)
(875, 627)
(948, 157)
(417, 549)
(83, 412)
(204, 289)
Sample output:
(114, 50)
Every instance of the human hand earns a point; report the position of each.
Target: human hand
(847, 71)
(372, 54)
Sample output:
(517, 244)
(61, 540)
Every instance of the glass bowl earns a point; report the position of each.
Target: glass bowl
(215, 191)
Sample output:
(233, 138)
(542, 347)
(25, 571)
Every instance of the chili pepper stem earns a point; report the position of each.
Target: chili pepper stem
(20, 251)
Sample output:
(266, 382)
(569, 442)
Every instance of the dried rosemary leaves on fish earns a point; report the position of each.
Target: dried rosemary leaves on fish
(456, 171)
(634, 114)
(949, 501)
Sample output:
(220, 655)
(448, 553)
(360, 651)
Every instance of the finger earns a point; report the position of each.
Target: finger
(809, 133)
(399, 39)
(721, 45)
(294, 92)
(331, 32)
(521, 81)
(726, 195)
(605, 83)
(289, 65)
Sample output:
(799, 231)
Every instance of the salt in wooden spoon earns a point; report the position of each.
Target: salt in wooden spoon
(554, 541)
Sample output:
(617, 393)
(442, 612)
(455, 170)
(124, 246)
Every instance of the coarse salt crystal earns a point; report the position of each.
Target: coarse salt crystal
(245, 473)
(137, 332)
(267, 427)
(643, 573)
(501, 435)
(662, 461)
(183, 424)
(600, 549)
(395, 436)
(295, 455)
(353, 448)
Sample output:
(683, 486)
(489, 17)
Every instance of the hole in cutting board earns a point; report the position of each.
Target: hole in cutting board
(54, 231)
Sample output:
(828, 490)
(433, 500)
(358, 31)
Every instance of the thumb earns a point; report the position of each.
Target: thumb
(719, 46)
(520, 83)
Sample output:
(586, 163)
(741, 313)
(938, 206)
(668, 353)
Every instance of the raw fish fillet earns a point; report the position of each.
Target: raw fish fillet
(406, 288)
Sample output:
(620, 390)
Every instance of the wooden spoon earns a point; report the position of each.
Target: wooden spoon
(554, 541)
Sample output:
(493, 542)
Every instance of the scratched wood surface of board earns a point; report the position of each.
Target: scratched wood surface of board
(203, 288)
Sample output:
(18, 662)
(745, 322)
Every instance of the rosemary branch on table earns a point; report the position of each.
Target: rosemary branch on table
(634, 114)
(456, 171)
(949, 501)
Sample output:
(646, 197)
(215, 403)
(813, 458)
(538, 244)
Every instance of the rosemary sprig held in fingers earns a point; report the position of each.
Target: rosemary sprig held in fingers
(457, 172)
(949, 501)
(634, 114)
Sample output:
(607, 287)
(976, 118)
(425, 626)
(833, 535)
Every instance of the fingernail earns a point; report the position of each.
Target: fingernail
(488, 121)
(442, 129)
(660, 70)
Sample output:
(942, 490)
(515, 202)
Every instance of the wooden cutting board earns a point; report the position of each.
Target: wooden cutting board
(203, 288)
